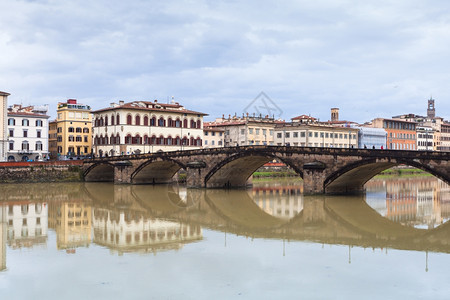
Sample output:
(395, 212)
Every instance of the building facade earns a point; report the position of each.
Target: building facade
(246, 130)
(3, 125)
(212, 136)
(53, 139)
(28, 133)
(401, 134)
(425, 138)
(145, 127)
(309, 134)
(372, 138)
(74, 130)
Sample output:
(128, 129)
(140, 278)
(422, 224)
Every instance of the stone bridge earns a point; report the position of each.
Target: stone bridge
(324, 170)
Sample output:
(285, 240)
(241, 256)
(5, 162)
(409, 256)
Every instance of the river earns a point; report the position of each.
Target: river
(105, 241)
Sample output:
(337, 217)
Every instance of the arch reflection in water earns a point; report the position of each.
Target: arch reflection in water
(421, 202)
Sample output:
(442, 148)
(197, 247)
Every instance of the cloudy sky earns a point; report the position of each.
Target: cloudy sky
(369, 58)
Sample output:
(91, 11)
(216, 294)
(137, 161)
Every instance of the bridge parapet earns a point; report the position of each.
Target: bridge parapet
(324, 170)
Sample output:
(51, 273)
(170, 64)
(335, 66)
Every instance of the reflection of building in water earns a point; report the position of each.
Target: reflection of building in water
(72, 222)
(129, 232)
(3, 225)
(27, 223)
(417, 201)
(281, 201)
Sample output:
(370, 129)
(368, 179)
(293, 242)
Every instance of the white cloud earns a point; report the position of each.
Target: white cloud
(370, 59)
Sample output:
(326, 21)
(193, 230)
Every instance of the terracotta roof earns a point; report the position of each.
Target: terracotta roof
(4, 94)
(135, 105)
(303, 117)
(27, 114)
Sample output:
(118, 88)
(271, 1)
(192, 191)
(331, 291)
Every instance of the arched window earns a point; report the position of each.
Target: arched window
(153, 140)
(199, 124)
(160, 140)
(192, 124)
(185, 123)
(112, 119)
(38, 123)
(137, 140)
(198, 142)
(129, 118)
(25, 122)
(102, 121)
(178, 123)
(117, 139)
(85, 130)
(112, 140)
(106, 120)
(192, 141)
(161, 122)
(169, 140)
(169, 122)
(118, 119)
(145, 120)
(153, 121)
(11, 122)
(146, 139)
(177, 141)
(185, 141)
(128, 139)
(137, 120)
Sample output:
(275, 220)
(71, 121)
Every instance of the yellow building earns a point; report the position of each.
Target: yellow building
(74, 125)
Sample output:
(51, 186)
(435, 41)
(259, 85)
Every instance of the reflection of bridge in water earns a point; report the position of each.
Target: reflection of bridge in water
(140, 218)
(323, 219)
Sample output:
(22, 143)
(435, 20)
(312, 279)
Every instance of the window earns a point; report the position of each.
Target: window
(11, 133)
(302, 134)
(71, 138)
(145, 120)
(11, 145)
(129, 118)
(310, 134)
(264, 131)
(25, 133)
(38, 146)
(257, 131)
(242, 131)
(288, 134)
(250, 130)
(316, 134)
(38, 123)
(25, 146)
(78, 138)
(295, 134)
(137, 120)
(38, 133)
(59, 139)
(85, 130)
(25, 122)
(85, 138)
(162, 122)
(71, 129)
(279, 135)
(11, 122)
(78, 130)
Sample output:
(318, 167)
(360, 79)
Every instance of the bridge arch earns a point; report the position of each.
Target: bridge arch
(235, 170)
(154, 171)
(99, 172)
(353, 176)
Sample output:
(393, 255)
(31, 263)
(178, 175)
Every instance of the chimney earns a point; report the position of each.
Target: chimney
(121, 102)
(334, 114)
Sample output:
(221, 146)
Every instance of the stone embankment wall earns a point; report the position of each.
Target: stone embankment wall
(53, 171)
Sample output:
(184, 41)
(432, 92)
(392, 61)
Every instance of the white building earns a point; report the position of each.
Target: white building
(425, 138)
(28, 133)
(309, 134)
(146, 127)
(3, 125)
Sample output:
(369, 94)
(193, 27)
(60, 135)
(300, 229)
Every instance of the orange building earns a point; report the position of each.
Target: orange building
(401, 134)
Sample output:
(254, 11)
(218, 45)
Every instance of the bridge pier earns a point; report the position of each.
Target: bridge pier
(195, 174)
(122, 172)
(314, 178)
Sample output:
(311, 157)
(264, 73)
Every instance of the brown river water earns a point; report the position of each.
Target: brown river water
(105, 241)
